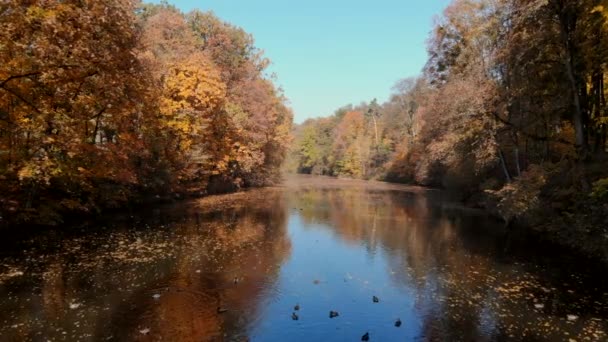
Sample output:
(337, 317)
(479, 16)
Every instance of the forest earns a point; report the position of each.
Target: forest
(509, 114)
(156, 184)
(105, 103)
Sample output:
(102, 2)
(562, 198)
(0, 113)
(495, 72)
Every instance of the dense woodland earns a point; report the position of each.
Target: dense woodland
(106, 103)
(110, 102)
(509, 114)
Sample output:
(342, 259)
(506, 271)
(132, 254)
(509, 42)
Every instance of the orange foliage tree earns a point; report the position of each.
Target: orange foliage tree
(103, 102)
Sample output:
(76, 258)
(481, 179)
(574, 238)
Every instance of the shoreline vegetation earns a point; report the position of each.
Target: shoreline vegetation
(107, 104)
(505, 117)
(112, 102)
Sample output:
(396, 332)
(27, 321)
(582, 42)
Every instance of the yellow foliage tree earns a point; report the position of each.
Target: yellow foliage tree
(192, 98)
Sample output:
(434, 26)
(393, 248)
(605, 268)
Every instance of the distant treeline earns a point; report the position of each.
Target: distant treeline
(106, 102)
(510, 113)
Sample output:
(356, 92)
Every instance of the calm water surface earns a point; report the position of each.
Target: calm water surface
(449, 274)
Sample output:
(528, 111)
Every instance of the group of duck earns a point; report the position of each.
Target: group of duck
(333, 314)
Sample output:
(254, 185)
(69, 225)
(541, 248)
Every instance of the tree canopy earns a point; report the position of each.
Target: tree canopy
(107, 102)
(504, 113)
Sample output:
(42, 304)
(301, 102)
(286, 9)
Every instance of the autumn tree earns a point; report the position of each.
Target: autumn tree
(505, 115)
(103, 103)
(72, 102)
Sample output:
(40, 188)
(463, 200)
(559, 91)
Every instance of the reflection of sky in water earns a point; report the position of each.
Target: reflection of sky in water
(349, 275)
(447, 273)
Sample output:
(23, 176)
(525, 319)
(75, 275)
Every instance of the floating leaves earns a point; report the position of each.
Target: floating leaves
(216, 260)
(12, 272)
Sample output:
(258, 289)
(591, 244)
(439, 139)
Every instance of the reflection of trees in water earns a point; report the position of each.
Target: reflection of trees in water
(194, 276)
(404, 224)
(53, 289)
(420, 242)
(248, 243)
(449, 257)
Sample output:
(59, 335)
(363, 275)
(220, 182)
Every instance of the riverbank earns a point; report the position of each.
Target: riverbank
(552, 229)
(578, 222)
(52, 214)
(584, 233)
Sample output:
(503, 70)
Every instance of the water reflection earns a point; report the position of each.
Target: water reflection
(231, 268)
(163, 280)
(464, 277)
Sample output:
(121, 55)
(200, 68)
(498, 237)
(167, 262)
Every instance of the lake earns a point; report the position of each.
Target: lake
(233, 268)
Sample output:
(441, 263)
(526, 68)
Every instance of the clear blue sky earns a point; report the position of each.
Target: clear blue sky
(330, 53)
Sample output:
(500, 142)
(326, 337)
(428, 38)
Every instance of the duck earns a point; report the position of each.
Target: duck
(294, 316)
(365, 337)
(375, 299)
(297, 307)
(398, 322)
(333, 314)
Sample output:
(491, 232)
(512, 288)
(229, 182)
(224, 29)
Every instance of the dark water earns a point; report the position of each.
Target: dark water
(449, 274)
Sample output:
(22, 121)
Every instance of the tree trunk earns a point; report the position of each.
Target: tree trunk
(10, 147)
(96, 129)
(375, 129)
(503, 163)
(526, 153)
(567, 25)
(602, 106)
(578, 119)
(517, 166)
(596, 109)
